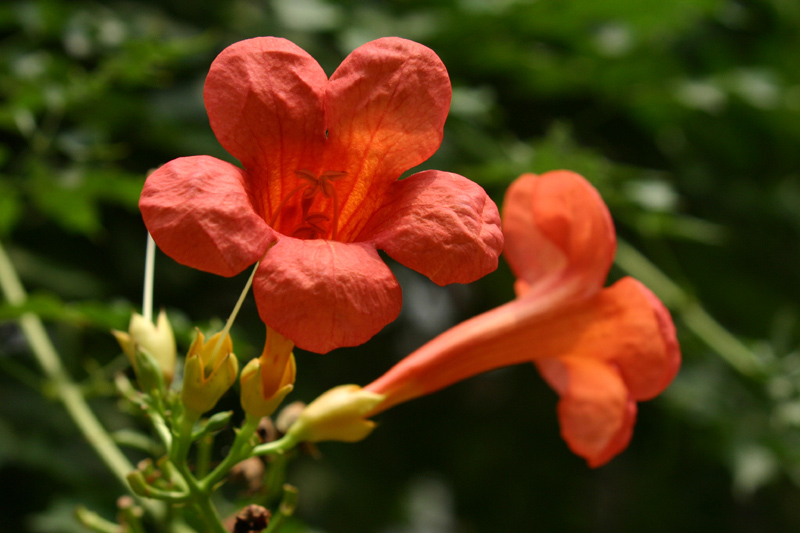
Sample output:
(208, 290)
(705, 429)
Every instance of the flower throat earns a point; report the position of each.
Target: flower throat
(312, 224)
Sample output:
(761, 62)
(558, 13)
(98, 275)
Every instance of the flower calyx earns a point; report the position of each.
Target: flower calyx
(211, 368)
(338, 414)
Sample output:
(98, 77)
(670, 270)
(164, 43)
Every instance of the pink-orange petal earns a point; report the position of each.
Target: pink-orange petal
(265, 102)
(439, 224)
(618, 325)
(199, 211)
(559, 234)
(648, 355)
(386, 106)
(596, 412)
(325, 294)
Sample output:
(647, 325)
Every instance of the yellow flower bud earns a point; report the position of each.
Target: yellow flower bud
(337, 414)
(211, 368)
(156, 339)
(266, 381)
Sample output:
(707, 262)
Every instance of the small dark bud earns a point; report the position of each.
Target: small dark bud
(252, 519)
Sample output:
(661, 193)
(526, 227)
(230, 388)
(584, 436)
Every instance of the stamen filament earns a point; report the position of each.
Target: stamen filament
(149, 267)
(235, 311)
(283, 204)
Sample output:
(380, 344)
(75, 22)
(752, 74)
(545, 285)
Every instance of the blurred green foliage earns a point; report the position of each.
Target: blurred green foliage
(684, 114)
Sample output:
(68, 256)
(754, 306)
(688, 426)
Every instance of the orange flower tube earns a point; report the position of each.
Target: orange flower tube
(601, 349)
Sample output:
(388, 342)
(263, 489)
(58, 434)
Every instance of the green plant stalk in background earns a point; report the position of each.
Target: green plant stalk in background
(67, 391)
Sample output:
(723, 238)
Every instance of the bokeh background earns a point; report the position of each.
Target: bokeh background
(684, 114)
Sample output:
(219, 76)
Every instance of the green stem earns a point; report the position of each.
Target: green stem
(240, 450)
(696, 318)
(275, 476)
(209, 515)
(67, 391)
(199, 495)
(286, 508)
(94, 521)
(160, 427)
(142, 487)
(204, 447)
(132, 519)
(201, 499)
(182, 441)
(282, 445)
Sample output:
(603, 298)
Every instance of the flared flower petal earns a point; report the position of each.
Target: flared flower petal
(321, 156)
(559, 234)
(199, 211)
(439, 224)
(265, 101)
(623, 325)
(596, 412)
(325, 294)
(386, 106)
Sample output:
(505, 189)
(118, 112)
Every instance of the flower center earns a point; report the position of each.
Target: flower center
(312, 224)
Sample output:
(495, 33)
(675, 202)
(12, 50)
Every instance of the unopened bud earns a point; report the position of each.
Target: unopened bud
(210, 370)
(214, 424)
(337, 414)
(156, 339)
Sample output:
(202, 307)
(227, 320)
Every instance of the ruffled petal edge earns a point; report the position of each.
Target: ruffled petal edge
(325, 294)
(595, 411)
(439, 224)
(199, 211)
(559, 234)
(265, 102)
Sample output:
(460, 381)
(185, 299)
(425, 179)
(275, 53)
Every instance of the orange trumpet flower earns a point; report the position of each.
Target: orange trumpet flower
(601, 349)
(318, 193)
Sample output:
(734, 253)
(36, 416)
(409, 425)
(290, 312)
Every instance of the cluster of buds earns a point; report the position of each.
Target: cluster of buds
(211, 367)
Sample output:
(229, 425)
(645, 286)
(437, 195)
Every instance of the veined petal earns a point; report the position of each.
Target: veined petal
(325, 294)
(386, 106)
(559, 234)
(441, 225)
(265, 102)
(596, 412)
(199, 211)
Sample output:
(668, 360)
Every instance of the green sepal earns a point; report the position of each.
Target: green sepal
(149, 373)
(214, 424)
